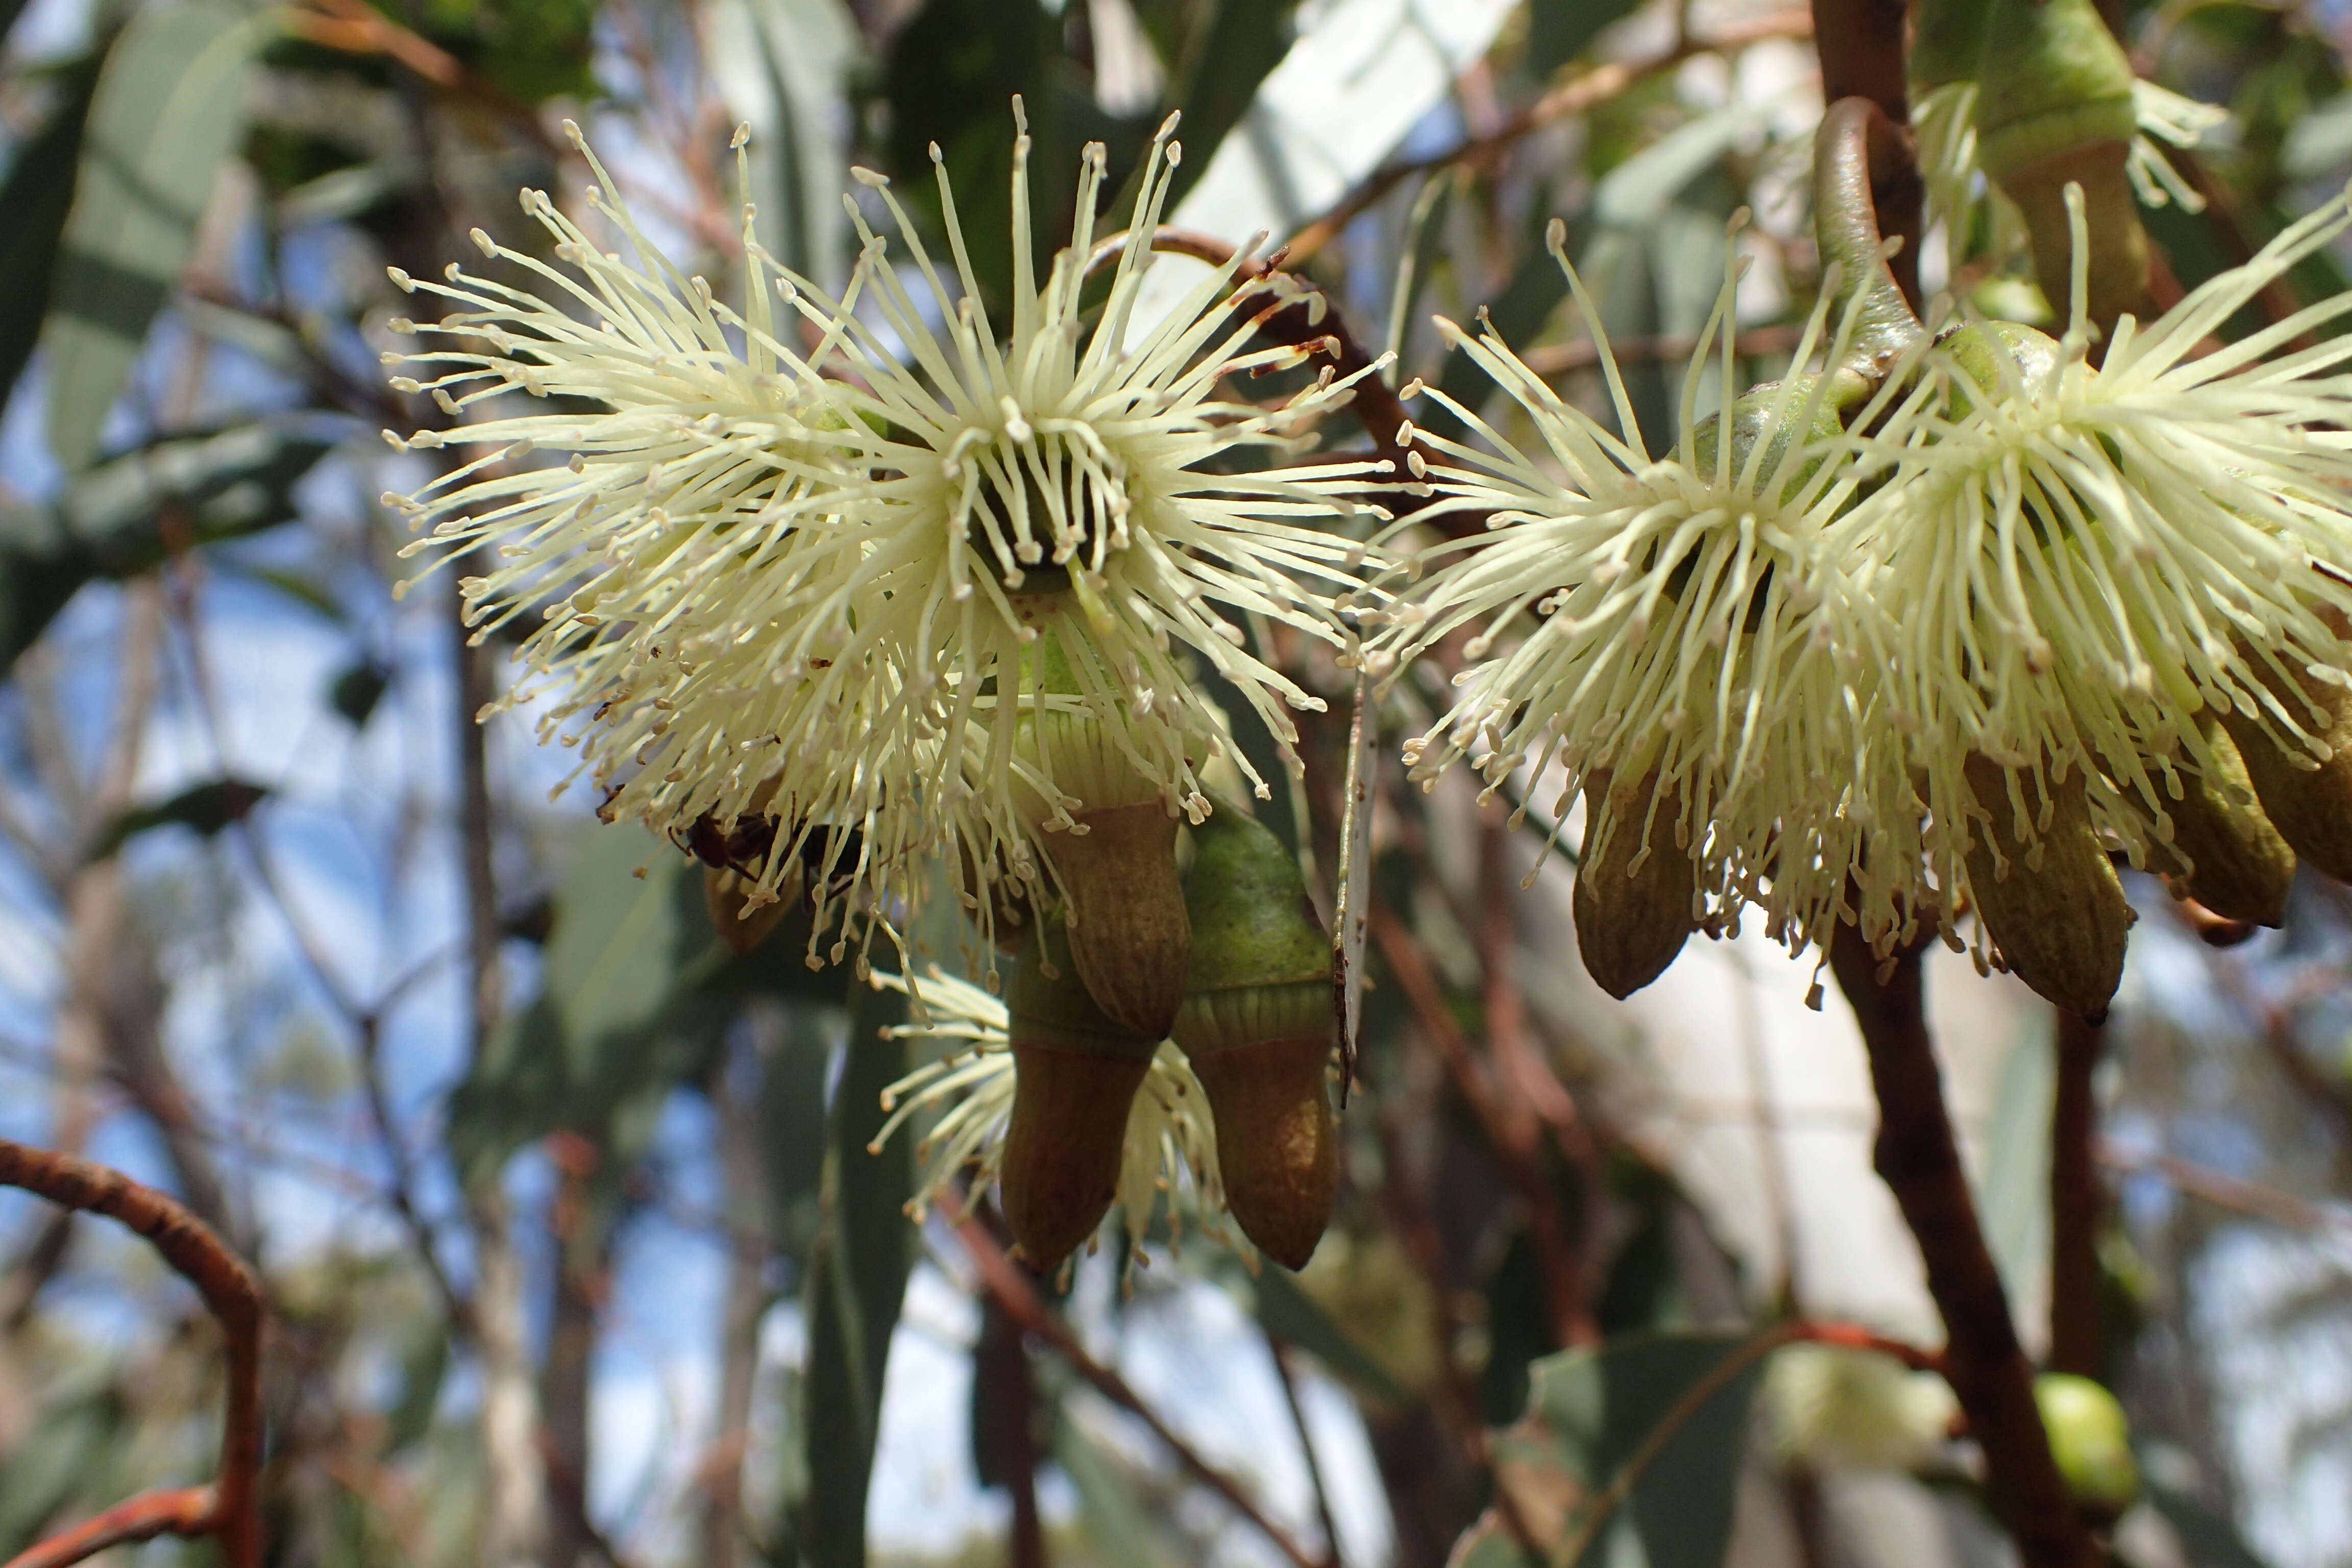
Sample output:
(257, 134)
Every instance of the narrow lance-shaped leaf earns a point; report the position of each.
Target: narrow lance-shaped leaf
(857, 1278)
(37, 195)
(126, 516)
(1627, 1453)
(170, 102)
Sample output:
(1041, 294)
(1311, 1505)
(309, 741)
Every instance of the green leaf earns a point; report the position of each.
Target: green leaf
(619, 1019)
(1558, 30)
(357, 690)
(424, 1361)
(1629, 1453)
(73, 1444)
(207, 807)
(170, 102)
(1121, 1530)
(793, 1123)
(857, 1279)
(126, 516)
(2210, 1539)
(1223, 63)
(37, 195)
(782, 65)
(1291, 1315)
(949, 78)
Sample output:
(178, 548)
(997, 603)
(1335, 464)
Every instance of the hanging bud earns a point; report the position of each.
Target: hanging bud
(2054, 107)
(1259, 1026)
(741, 924)
(2224, 853)
(2311, 805)
(1075, 1072)
(1114, 857)
(2046, 889)
(1634, 885)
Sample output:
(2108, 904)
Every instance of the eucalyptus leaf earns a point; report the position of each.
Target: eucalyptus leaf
(170, 104)
(856, 1282)
(127, 515)
(37, 195)
(1628, 1453)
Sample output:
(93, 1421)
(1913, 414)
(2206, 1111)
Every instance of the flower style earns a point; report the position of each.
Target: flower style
(1171, 1145)
(2078, 561)
(1691, 633)
(807, 586)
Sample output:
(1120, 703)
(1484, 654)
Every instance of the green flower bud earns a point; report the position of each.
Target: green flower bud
(2054, 107)
(1946, 43)
(1636, 887)
(1076, 1071)
(2046, 889)
(1115, 861)
(2090, 1439)
(2309, 801)
(2224, 853)
(1259, 1026)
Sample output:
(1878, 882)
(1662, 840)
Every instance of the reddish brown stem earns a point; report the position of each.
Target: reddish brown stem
(1010, 1288)
(227, 1508)
(1919, 1158)
(2076, 1340)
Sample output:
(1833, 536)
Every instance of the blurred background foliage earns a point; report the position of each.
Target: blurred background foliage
(574, 1246)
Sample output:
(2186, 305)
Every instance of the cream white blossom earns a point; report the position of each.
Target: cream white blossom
(1171, 1150)
(1674, 614)
(2076, 559)
(785, 561)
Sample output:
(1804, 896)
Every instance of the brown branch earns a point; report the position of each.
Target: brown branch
(1517, 1140)
(1011, 1288)
(1280, 1351)
(1918, 1157)
(1593, 87)
(226, 1508)
(2076, 1332)
(2224, 1191)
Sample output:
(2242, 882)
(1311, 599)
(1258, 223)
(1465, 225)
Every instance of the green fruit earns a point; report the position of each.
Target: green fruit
(2090, 1439)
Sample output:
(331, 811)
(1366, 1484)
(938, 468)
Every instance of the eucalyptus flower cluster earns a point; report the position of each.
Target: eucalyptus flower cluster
(864, 572)
(856, 596)
(1944, 623)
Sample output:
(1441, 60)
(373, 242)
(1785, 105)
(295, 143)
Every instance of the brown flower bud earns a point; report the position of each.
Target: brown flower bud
(1128, 935)
(1076, 1071)
(2224, 852)
(741, 924)
(1633, 905)
(1258, 1026)
(2046, 889)
(2308, 800)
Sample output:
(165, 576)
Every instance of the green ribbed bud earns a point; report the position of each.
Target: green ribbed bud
(2054, 107)
(1258, 1024)
(1946, 43)
(1116, 865)
(2224, 853)
(2046, 891)
(2308, 800)
(1076, 1071)
(1633, 906)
